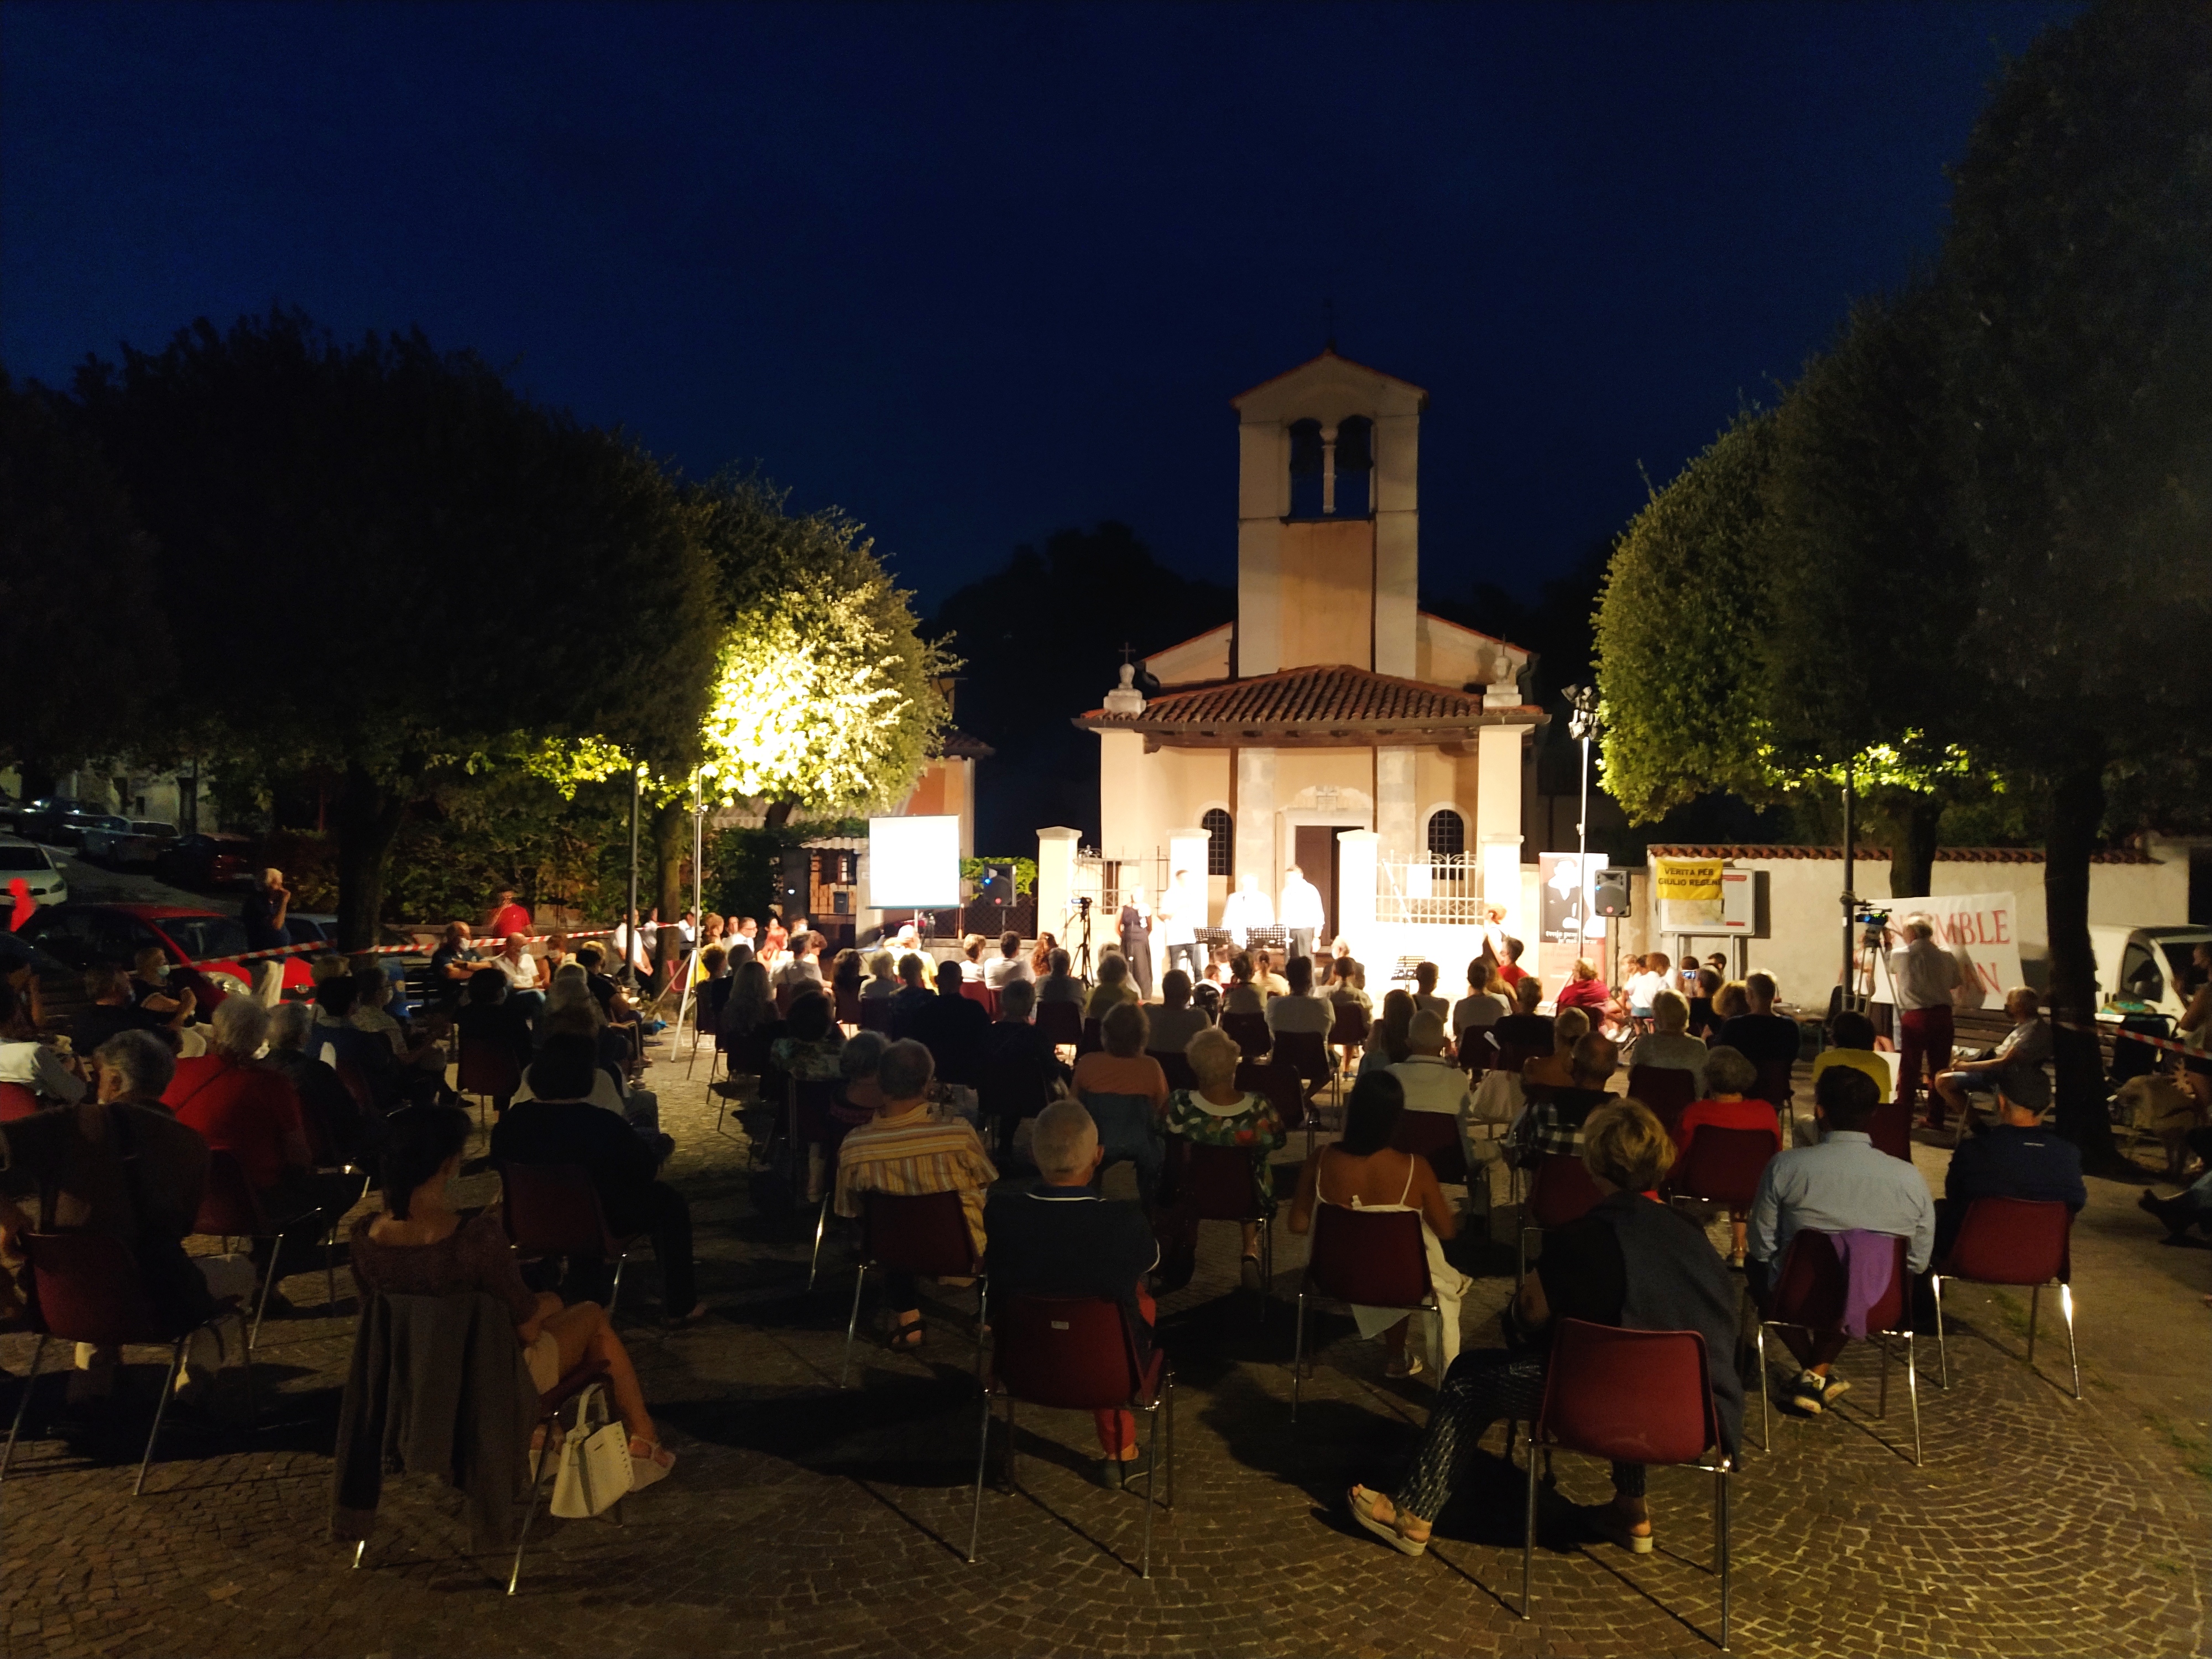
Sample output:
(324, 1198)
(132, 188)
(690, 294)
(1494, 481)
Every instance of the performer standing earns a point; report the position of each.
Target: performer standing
(1301, 911)
(1247, 909)
(1136, 925)
(1178, 915)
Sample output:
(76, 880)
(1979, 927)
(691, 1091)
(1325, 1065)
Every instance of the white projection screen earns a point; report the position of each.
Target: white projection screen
(914, 864)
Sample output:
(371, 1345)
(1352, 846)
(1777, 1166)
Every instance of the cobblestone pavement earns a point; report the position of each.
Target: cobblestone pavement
(803, 1519)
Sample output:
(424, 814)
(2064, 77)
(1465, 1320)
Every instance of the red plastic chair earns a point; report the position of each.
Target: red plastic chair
(1667, 1090)
(1305, 1053)
(1175, 1066)
(850, 1008)
(86, 1289)
(1807, 1294)
(1514, 1056)
(1774, 1084)
(1092, 1038)
(16, 1102)
(925, 1234)
(1062, 1022)
(1723, 1166)
(1215, 1184)
(1374, 1257)
(975, 991)
(876, 1014)
(1281, 1085)
(1251, 1033)
(553, 1209)
(230, 1208)
(487, 1069)
(1631, 1397)
(1435, 1136)
(1890, 1128)
(1560, 1190)
(1075, 1354)
(2013, 1241)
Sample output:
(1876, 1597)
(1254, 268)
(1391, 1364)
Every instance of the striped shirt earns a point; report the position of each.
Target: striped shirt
(916, 1152)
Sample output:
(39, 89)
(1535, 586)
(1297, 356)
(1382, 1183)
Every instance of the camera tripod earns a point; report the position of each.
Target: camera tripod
(1077, 926)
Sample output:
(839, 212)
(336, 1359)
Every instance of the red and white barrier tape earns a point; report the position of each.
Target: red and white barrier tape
(396, 949)
(2120, 1034)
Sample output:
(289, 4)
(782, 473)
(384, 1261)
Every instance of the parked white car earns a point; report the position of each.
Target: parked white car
(2148, 965)
(29, 860)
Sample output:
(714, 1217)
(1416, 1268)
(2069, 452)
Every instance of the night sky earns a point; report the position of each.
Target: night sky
(975, 273)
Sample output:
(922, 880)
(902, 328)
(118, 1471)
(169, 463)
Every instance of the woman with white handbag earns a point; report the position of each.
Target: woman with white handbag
(419, 1246)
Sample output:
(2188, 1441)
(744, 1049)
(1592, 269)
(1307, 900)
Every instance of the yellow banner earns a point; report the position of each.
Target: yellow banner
(1684, 880)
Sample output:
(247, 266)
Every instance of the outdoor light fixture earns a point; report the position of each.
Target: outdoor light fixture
(1583, 725)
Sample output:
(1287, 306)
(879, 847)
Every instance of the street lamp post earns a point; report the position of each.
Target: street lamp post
(1583, 725)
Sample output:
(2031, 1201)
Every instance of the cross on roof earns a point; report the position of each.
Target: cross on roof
(1128, 650)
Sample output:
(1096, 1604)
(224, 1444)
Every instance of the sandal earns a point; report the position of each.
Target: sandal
(1361, 1503)
(1398, 1371)
(905, 1339)
(649, 1465)
(1609, 1523)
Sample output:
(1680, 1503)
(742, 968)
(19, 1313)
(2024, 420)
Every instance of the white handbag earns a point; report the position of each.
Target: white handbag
(595, 1469)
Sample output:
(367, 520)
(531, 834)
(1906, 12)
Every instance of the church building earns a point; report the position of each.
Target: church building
(1333, 725)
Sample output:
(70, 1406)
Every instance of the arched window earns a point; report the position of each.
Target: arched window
(1447, 836)
(1220, 842)
(1355, 468)
(1305, 469)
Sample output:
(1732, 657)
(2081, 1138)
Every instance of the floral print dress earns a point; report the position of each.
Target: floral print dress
(1252, 1123)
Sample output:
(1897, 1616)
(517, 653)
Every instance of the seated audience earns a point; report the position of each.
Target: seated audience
(419, 1245)
(1630, 1263)
(1850, 1043)
(420, 1062)
(1551, 1123)
(1041, 958)
(1641, 992)
(2190, 1207)
(1057, 984)
(1265, 979)
(1390, 1040)
(1241, 995)
(174, 1005)
(1845, 1184)
(1217, 1112)
(486, 1016)
(846, 978)
(804, 966)
(882, 977)
(1060, 1238)
(36, 1065)
(1175, 1021)
(813, 1052)
(1350, 985)
(1485, 1004)
(524, 978)
(1205, 997)
(1364, 1171)
(1669, 1044)
(906, 1149)
(1509, 963)
(1583, 989)
(1702, 1021)
(971, 959)
(1729, 1078)
(1127, 1093)
(1523, 1027)
(1424, 991)
(750, 1022)
(915, 992)
(1431, 1079)
(2015, 1066)
(1020, 1063)
(1010, 965)
(1760, 1034)
(454, 961)
(2014, 1157)
(110, 1010)
(558, 1123)
(1113, 987)
(350, 1133)
(1298, 1009)
(954, 1028)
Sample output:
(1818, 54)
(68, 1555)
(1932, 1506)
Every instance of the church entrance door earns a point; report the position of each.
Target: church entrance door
(1313, 848)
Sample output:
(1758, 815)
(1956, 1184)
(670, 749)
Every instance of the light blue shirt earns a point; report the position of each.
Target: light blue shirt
(1843, 1182)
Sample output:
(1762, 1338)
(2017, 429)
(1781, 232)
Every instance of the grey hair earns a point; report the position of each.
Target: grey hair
(1730, 1071)
(1064, 1138)
(241, 1026)
(1017, 1000)
(287, 1025)
(1593, 1060)
(904, 1070)
(862, 1054)
(1670, 1011)
(144, 1060)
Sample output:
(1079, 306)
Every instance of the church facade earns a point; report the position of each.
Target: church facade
(1333, 725)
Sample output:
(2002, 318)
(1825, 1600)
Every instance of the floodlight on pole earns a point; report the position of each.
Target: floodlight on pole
(1582, 724)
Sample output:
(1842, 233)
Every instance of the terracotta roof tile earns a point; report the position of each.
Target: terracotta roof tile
(1321, 696)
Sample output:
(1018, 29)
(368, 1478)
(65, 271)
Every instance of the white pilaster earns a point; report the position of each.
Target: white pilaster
(1498, 821)
(1256, 853)
(1394, 803)
(1356, 851)
(1055, 881)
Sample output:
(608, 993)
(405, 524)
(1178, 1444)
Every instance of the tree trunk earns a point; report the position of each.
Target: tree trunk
(671, 850)
(2075, 811)
(369, 818)
(778, 814)
(1919, 818)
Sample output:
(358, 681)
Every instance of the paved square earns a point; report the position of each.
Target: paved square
(803, 1519)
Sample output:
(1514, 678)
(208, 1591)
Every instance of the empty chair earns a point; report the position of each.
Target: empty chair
(1375, 1258)
(1633, 1397)
(1774, 1083)
(86, 1289)
(1435, 1136)
(921, 1236)
(1667, 1090)
(875, 1014)
(1075, 1354)
(850, 1008)
(1281, 1084)
(1305, 1053)
(1723, 1166)
(1092, 1038)
(1062, 1021)
(975, 991)
(2017, 1242)
(553, 1209)
(1890, 1128)
(1251, 1033)
(230, 1208)
(486, 1069)
(1175, 1068)
(1808, 1294)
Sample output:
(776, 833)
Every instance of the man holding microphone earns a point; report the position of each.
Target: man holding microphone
(1925, 976)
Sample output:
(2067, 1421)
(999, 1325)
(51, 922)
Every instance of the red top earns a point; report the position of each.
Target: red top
(245, 1110)
(1728, 1114)
(1583, 994)
(1511, 972)
(510, 919)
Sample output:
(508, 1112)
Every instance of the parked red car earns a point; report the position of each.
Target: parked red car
(205, 942)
